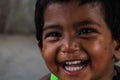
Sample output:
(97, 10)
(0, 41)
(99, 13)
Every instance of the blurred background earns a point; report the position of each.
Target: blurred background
(20, 57)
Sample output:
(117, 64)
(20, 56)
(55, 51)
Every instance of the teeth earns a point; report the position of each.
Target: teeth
(68, 68)
(72, 62)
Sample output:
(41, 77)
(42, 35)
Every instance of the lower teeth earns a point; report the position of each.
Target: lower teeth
(69, 68)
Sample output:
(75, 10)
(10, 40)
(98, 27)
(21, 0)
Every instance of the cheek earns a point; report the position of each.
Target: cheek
(102, 49)
(48, 52)
(101, 55)
(49, 55)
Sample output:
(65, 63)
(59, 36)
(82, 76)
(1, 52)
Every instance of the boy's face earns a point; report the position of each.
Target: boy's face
(77, 44)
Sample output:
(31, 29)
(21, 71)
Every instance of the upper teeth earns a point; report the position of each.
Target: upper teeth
(72, 62)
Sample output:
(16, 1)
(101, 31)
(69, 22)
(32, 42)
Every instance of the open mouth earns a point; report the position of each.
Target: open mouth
(76, 65)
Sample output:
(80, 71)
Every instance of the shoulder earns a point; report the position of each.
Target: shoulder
(117, 76)
(46, 77)
(118, 69)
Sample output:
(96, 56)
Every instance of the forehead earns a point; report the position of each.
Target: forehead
(72, 11)
(71, 6)
(67, 7)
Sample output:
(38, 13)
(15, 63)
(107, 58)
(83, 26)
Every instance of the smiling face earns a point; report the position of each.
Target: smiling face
(77, 44)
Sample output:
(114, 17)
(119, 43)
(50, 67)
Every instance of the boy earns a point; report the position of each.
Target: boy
(79, 39)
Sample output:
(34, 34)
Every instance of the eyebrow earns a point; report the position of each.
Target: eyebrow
(77, 24)
(85, 22)
(47, 27)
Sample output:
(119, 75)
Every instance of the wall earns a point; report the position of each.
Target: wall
(17, 16)
(20, 57)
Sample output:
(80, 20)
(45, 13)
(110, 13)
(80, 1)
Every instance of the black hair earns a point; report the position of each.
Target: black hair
(109, 8)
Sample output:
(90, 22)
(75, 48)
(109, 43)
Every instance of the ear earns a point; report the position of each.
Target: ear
(39, 45)
(117, 50)
(40, 48)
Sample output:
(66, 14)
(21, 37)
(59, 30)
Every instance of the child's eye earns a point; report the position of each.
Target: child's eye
(53, 35)
(87, 31)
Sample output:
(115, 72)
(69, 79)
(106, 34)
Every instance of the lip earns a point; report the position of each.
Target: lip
(74, 68)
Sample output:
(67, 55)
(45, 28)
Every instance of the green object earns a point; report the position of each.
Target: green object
(53, 77)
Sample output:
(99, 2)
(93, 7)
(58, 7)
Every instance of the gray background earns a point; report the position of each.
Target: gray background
(17, 16)
(20, 57)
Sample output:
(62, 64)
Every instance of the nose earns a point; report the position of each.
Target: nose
(69, 45)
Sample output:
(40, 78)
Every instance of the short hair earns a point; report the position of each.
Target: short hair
(109, 8)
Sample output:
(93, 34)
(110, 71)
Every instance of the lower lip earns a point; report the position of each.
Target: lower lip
(74, 73)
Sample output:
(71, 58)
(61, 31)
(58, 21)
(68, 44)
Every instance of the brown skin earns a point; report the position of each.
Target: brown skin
(78, 32)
